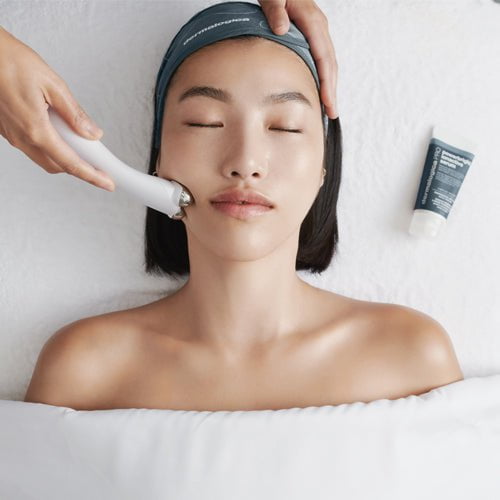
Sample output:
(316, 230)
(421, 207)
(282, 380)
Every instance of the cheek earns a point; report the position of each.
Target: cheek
(176, 155)
(302, 197)
(299, 171)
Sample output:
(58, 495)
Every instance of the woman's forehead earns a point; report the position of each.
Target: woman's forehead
(272, 73)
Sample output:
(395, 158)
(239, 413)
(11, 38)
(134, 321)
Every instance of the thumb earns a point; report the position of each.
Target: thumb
(61, 99)
(276, 15)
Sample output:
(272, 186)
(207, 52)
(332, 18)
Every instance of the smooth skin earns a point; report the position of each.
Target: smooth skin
(28, 86)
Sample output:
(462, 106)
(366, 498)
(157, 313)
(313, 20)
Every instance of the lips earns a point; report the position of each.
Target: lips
(240, 211)
(243, 197)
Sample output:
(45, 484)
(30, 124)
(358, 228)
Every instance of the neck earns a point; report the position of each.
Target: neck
(236, 306)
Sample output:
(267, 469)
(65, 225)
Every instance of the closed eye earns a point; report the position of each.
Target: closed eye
(295, 131)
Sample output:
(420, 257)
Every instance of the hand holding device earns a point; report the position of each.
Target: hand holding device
(166, 196)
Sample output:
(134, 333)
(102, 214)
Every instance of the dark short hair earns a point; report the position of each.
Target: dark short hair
(166, 244)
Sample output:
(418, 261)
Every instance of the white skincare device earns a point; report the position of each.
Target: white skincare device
(163, 195)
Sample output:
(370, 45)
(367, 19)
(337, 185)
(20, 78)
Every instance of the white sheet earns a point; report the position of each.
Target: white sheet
(444, 444)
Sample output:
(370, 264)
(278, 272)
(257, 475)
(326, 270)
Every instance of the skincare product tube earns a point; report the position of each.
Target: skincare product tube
(448, 159)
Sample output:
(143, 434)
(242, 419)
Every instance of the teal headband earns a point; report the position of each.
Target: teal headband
(217, 22)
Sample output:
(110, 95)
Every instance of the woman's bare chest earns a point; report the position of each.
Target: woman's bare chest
(315, 373)
(345, 361)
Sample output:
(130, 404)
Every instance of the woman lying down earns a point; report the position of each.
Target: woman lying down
(238, 119)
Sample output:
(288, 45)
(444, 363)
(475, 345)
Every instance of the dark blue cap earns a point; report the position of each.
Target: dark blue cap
(217, 22)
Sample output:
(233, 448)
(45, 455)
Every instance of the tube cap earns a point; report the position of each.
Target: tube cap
(425, 223)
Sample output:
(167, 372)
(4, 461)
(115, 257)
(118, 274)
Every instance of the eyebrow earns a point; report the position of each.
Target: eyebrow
(224, 96)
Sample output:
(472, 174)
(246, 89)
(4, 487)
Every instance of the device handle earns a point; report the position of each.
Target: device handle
(163, 195)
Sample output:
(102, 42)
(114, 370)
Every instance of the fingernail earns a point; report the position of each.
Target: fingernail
(93, 129)
(105, 181)
(109, 186)
(335, 109)
(280, 27)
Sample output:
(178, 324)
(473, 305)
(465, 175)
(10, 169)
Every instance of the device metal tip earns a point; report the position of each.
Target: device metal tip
(185, 198)
(178, 215)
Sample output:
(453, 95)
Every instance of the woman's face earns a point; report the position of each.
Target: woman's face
(244, 148)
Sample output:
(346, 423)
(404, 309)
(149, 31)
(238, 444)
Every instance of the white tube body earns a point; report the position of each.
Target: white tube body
(448, 159)
(152, 191)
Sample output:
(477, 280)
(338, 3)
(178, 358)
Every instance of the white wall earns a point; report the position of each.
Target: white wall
(69, 250)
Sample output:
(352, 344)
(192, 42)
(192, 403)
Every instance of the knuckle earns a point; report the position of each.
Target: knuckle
(33, 135)
(15, 141)
(51, 170)
(80, 116)
(55, 79)
(12, 140)
(319, 15)
(35, 131)
(71, 169)
(62, 87)
(59, 84)
(78, 171)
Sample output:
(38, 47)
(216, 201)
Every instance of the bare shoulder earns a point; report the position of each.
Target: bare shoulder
(425, 348)
(407, 351)
(79, 364)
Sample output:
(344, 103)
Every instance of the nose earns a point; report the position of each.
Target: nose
(247, 172)
(246, 157)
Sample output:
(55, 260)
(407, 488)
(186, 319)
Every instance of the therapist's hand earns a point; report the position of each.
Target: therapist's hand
(27, 87)
(313, 23)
